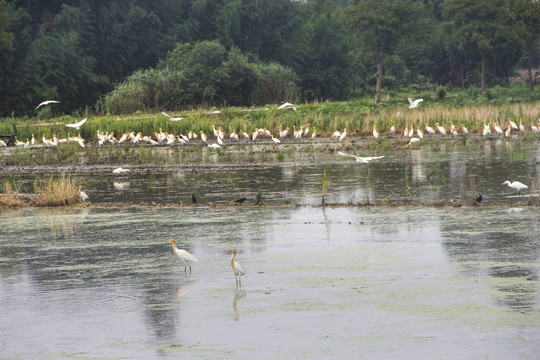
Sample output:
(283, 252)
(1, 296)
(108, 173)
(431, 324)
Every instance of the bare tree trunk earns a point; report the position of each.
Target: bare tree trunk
(529, 64)
(483, 86)
(378, 86)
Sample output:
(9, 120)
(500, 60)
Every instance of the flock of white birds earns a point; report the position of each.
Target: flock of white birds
(305, 131)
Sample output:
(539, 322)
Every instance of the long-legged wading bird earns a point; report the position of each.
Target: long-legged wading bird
(516, 185)
(238, 269)
(184, 255)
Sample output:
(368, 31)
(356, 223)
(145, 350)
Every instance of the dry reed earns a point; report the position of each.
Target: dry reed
(62, 191)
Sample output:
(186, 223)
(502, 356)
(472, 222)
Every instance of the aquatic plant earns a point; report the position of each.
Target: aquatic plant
(10, 195)
(325, 184)
(53, 191)
(258, 197)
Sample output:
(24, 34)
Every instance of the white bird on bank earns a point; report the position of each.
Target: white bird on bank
(516, 185)
(2, 143)
(414, 103)
(287, 106)
(172, 118)
(78, 124)
(214, 145)
(412, 141)
(184, 255)
(375, 132)
(119, 171)
(83, 195)
(364, 160)
(44, 103)
(343, 135)
(238, 269)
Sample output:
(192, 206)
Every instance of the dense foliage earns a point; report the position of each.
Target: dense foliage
(121, 56)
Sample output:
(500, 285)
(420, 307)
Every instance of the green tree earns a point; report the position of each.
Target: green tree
(382, 24)
(481, 25)
(527, 25)
(323, 61)
(6, 38)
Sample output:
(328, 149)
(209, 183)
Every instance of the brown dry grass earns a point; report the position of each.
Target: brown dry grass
(62, 191)
(10, 196)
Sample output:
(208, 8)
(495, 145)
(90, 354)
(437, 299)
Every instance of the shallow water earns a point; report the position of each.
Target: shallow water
(348, 282)
(441, 171)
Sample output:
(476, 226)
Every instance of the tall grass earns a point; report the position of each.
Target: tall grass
(61, 191)
(10, 196)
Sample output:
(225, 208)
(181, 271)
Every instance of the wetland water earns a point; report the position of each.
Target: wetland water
(351, 282)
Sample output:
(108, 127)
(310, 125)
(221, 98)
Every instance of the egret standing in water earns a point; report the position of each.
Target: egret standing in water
(184, 255)
(516, 185)
(238, 269)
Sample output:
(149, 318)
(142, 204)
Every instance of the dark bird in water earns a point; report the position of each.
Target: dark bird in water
(239, 201)
(479, 199)
(193, 199)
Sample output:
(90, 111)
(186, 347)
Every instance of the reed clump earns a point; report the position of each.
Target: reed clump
(61, 191)
(10, 196)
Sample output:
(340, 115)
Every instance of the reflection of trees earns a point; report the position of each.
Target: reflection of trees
(490, 244)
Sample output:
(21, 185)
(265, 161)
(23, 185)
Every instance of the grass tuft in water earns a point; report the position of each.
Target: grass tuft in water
(61, 191)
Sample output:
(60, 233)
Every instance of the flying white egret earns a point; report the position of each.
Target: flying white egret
(78, 124)
(516, 185)
(44, 103)
(360, 159)
(184, 255)
(414, 103)
(287, 106)
(172, 118)
(238, 269)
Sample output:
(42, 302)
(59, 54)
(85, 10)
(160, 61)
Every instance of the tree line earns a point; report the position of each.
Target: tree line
(127, 55)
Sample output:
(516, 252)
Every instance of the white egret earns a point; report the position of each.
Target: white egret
(47, 103)
(343, 135)
(513, 124)
(521, 127)
(498, 129)
(2, 143)
(203, 136)
(393, 129)
(184, 255)
(516, 185)
(78, 124)
(364, 160)
(238, 269)
(313, 134)
(119, 171)
(414, 103)
(214, 145)
(276, 141)
(336, 134)
(419, 132)
(83, 195)
(440, 129)
(375, 132)
(287, 106)
(172, 118)
(430, 130)
(412, 141)
(464, 130)
(33, 140)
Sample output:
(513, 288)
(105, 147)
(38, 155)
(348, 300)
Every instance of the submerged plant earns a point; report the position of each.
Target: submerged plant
(325, 184)
(258, 198)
